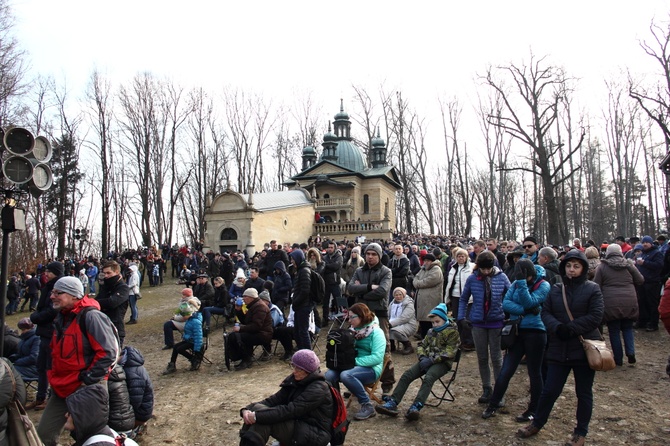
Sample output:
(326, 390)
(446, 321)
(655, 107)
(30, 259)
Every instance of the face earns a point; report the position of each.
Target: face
(218, 283)
(477, 249)
(371, 258)
(247, 300)
(62, 300)
(108, 273)
(529, 247)
(647, 246)
(50, 275)
(330, 249)
(253, 274)
(491, 245)
(398, 296)
(511, 246)
(436, 321)
(573, 268)
(397, 250)
(273, 245)
(69, 423)
(354, 320)
(406, 249)
(503, 249)
(542, 260)
(298, 373)
(461, 258)
(485, 271)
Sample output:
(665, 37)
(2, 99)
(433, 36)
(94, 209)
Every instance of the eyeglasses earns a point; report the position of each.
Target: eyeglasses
(527, 246)
(57, 293)
(353, 316)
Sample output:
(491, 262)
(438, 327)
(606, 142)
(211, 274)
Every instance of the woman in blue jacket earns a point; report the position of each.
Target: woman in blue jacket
(487, 286)
(523, 301)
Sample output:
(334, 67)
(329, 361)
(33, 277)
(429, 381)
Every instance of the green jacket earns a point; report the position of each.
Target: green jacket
(440, 346)
(370, 350)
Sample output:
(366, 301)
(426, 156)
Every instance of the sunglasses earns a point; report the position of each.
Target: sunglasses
(527, 246)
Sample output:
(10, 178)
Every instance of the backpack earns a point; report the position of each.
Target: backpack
(340, 350)
(317, 287)
(340, 424)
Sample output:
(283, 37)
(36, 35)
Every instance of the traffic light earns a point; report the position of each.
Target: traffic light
(84, 235)
(77, 234)
(24, 164)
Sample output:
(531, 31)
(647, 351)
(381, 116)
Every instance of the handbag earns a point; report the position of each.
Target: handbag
(509, 333)
(20, 430)
(598, 355)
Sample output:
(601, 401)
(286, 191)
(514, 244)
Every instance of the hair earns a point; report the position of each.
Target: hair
(479, 243)
(503, 243)
(111, 264)
(458, 251)
(592, 252)
(254, 268)
(363, 312)
(268, 285)
(548, 252)
(219, 279)
(331, 242)
(492, 240)
(273, 241)
(315, 252)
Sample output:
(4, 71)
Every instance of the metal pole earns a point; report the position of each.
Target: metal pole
(3, 287)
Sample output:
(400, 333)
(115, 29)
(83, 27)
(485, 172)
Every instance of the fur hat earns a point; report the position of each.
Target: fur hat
(374, 247)
(440, 311)
(250, 292)
(70, 285)
(56, 268)
(306, 360)
(613, 249)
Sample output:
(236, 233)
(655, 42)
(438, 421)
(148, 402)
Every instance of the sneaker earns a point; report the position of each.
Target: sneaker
(367, 411)
(413, 411)
(576, 440)
(528, 431)
(525, 417)
(631, 359)
(390, 407)
(489, 412)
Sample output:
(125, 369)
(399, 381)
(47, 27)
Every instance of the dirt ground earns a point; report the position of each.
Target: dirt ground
(202, 408)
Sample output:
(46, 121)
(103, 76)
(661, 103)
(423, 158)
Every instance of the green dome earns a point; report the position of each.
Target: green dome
(378, 142)
(330, 136)
(309, 150)
(342, 116)
(350, 156)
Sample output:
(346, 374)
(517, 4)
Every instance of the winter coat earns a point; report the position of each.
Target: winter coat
(134, 281)
(9, 388)
(429, 284)
(551, 272)
(308, 402)
(281, 291)
(258, 320)
(414, 263)
(205, 292)
(332, 266)
(520, 298)
(113, 299)
(193, 331)
(586, 304)
(440, 346)
(256, 283)
(370, 349)
(376, 300)
(44, 314)
(302, 286)
(405, 324)
(140, 388)
(26, 356)
(475, 287)
(463, 272)
(278, 255)
(652, 266)
(351, 266)
(13, 290)
(121, 414)
(399, 267)
(617, 278)
(593, 264)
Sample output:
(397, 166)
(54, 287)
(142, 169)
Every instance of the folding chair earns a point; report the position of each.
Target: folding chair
(449, 377)
(216, 318)
(205, 345)
(341, 316)
(315, 341)
(372, 388)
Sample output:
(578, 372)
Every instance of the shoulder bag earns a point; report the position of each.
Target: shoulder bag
(600, 357)
(20, 429)
(509, 333)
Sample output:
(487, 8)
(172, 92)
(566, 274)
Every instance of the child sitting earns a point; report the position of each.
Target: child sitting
(192, 339)
(436, 354)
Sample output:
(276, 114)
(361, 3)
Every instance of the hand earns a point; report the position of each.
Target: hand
(236, 328)
(425, 363)
(357, 282)
(374, 287)
(464, 324)
(563, 332)
(534, 310)
(249, 417)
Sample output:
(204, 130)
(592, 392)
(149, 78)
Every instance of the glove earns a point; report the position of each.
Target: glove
(534, 310)
(563, 332)
(424, 363)
(464, 324)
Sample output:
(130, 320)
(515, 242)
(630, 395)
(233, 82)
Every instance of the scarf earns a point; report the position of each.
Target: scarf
(441, 327)
(364, 332)
(487, 294)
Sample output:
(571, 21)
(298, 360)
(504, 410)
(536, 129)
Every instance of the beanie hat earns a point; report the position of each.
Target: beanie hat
(613, 249)
(265, 296)
(485, 259)
(56, 268)
(306, 360)
(187, 292)
(356, 249)
(647, 239)
(440, 311)
(531, 239)
(240, 274)
(374, 247)
(429, 257)
(250, 292)
(437, 252)
(638, 247)
(524, 268)
(297, 256)
(239, 302)
(25, 323)
(70, 285)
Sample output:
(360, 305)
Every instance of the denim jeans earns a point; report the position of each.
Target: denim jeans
(624, 326)
(413, 373)
(531, 344)
(334, 290)
(354, 380)
(132, 300)
(487, 342)
(557, 374)
(207, 313)
(301, 327)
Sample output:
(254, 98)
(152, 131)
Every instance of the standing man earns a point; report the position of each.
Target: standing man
(83, 348)
(492, 245)
(43, 317)
(548, 259)
(275, 254)
(302, 299)
(113, 297)
(254, 281)
(650, 265)
(530, 248)
(399, 266)
(32, 292)
(370, 285)
(92, 274)
(331, 276)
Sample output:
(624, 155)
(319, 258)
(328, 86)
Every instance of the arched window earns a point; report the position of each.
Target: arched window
(326, 195)
(366, 204)
(228, 234)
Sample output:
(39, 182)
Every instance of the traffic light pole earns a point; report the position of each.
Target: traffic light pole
(9, 224)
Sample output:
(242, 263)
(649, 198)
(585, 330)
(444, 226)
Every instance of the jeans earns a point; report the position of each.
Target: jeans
(42, 359)
(91, 285)
(413, 373)
(207, 313)
(354, 380)
(531, 344)
(301, 327)
(334, 290)
(557, 374)
(624, 326)
(487, 341)
(132, 299)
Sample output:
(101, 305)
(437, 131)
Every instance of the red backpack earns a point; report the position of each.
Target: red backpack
(340, 424)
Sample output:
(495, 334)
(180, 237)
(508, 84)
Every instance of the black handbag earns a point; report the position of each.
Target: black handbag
(509, 333)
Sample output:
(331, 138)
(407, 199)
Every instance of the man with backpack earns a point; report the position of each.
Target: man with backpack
(84, 348)
(300, 413)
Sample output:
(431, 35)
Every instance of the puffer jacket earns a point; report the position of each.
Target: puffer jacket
(440, 346)
(29, 348)
(519, 299)
(332, 266)
(302, 286)
(258, 320)
(113, 300)
(617, 278)
(429, 284)
(405, 324)
(586, 304)
(121, 414)
(370, 349)
(281, 291)
(464, 271)
(308, 402)
(376, 300)
(193, 331)
(475, 287)
(140, 388)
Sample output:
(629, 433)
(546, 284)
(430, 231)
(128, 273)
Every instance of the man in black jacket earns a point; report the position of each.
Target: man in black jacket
(331, 276)
(274, 255)
(204, 291)
(113, 296)
(254, 281)
(44, 317)
(302, 299)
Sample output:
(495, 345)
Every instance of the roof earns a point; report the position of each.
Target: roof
(269, 201)
(350, 156)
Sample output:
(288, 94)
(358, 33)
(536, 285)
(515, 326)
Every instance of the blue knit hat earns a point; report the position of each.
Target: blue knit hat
(440, 311)
(647, 239)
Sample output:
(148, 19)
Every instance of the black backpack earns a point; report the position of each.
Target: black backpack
(340, 351)
(317, 287)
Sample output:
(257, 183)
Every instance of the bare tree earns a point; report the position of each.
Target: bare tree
(13, 68)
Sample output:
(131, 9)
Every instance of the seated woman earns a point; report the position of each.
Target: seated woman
(222, 304)
(192, 339)
(177, 321)
(25, 359)
(370, 347)
(402, 320)
(298, 414)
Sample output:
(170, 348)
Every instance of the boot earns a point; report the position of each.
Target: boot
(171, 368)
(486, 395)
(408, 349)
(34, 404)
(250, 438)
(392, 346)
(576, 440)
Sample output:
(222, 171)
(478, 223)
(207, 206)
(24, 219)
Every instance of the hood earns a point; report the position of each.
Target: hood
(280, 266)
(578, 255)
(297, 256)
(133, 267)
(131, 357)
(89, 407)
(541, 273)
